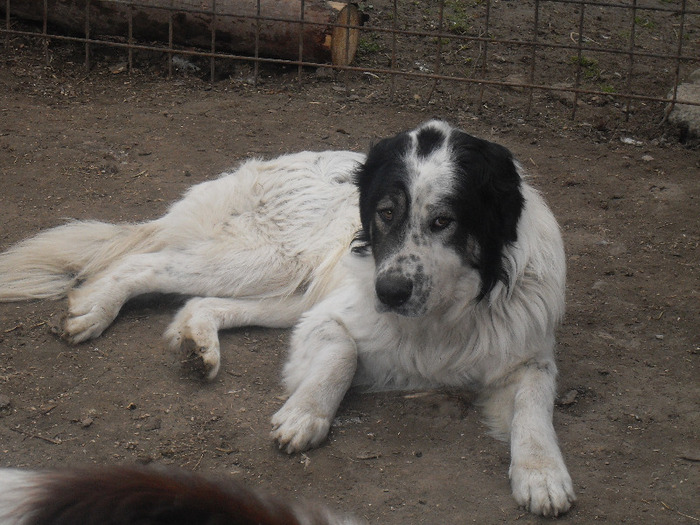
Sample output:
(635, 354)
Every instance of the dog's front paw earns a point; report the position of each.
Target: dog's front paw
(297, 429)
(198, 340)
(545, 490)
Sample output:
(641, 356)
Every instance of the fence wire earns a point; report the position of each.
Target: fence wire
(631, 51)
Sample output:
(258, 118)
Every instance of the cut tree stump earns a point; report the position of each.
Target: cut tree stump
(277, 28)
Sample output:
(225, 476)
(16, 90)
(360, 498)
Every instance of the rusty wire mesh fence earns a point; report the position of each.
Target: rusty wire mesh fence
(633, 53)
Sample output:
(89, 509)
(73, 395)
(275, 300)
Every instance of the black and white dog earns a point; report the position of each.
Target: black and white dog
(456, 278)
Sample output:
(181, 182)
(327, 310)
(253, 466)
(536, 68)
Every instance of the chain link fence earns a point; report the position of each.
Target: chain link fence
(630, 53)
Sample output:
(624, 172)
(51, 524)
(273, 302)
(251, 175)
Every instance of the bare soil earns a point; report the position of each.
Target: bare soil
(105, 144)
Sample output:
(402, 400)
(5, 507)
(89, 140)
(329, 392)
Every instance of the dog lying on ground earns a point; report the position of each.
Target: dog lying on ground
(449, 273)
(140, 496)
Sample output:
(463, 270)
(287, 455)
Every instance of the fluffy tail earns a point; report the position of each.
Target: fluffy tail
(134, 496)
(54, 261)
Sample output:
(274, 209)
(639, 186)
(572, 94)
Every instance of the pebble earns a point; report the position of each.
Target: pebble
(569, 398)
(631, 142)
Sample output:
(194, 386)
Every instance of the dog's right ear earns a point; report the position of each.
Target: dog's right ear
(382, 170)
(489, 190)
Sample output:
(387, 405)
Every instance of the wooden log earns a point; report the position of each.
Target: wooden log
(236, 23)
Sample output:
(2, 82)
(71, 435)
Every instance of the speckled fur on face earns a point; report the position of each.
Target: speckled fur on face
(405, 241)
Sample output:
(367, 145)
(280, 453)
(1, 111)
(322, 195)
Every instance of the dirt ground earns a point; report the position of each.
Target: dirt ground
(120, 147)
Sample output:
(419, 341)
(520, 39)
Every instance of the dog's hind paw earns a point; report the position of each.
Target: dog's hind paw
(545, 491)
(203, 361)
(296, 429)
(79, 328)
(199, 343)
(89, 314)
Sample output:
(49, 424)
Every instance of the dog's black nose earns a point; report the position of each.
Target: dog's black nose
(393, 289)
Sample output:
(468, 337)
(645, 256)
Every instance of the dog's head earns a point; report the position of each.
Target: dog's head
(437, 206)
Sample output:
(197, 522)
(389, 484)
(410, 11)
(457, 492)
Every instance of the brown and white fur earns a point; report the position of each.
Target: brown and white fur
(138, 496)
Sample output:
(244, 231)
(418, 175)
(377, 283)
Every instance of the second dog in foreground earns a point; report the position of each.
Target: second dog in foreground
(145, 496)
(449, 273)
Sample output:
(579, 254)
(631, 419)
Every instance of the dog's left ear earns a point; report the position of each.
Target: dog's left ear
(489, 180)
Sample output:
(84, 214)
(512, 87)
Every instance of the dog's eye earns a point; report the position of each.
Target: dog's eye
(387, 214)
(440, 223)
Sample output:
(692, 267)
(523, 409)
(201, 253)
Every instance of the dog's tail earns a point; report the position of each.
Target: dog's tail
(131, 496)
(49, 264)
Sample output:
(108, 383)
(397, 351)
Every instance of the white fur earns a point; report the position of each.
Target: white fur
(501, 346)
(267, 245)
(17, 487)
(93, 496)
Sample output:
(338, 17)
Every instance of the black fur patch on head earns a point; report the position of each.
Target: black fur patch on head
(488, 201)
(429, 139)
(382, 172)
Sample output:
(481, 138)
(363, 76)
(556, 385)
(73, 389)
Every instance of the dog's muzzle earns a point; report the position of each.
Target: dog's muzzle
(394, 289)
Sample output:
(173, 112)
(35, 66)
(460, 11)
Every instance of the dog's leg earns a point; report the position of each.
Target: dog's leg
(93, 306)
(197, 324)
(322, 363)
(539, 478)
